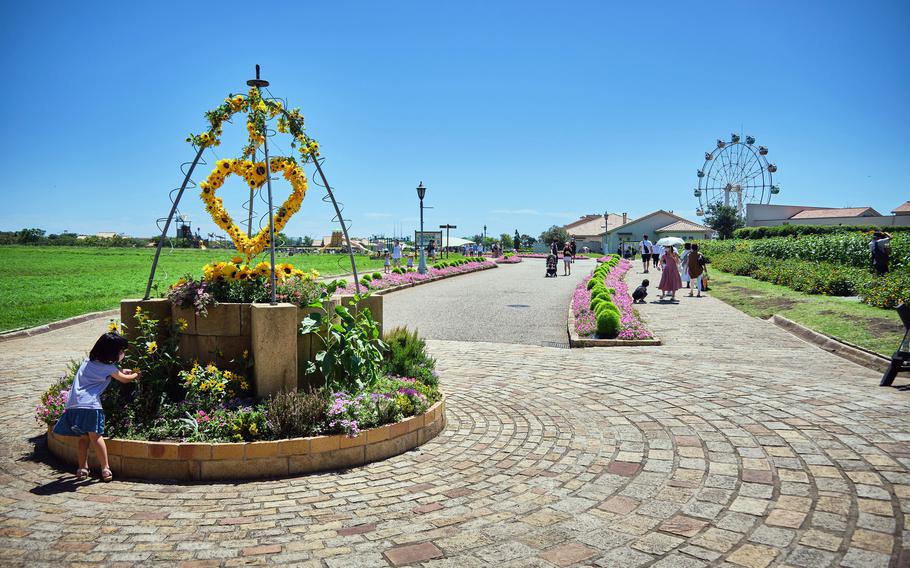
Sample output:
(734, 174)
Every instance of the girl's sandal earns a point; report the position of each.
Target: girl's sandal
(106, 475)
(81, 473)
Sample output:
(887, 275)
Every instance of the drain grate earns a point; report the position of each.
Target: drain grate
(517, 306)
(555, 344)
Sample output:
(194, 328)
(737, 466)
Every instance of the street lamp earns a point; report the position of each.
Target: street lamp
(606, 241)
(422, 264)
(483, 243)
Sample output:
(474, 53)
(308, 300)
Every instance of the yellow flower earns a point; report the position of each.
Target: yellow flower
(182, 324)
(112, 327)
(246, 354)
(253, 429)
(138, 310)
(151, 347)
(237, 260)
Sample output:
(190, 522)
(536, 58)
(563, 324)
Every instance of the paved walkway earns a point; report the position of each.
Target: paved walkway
(734, 444)
(510, 304)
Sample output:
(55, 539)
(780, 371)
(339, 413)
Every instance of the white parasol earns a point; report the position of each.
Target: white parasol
(670, 242)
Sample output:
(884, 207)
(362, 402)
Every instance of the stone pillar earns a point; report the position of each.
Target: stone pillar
(373, 302)
(274, 341)
(158, 309)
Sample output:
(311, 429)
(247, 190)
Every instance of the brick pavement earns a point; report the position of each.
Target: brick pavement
(734, 444)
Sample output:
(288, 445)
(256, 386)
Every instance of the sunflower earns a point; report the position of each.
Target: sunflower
(151, 347)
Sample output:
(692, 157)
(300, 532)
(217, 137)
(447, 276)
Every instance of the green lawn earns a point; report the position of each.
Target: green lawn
(43, 284)
(849, 320)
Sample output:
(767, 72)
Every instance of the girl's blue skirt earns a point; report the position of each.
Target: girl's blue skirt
(80, 421)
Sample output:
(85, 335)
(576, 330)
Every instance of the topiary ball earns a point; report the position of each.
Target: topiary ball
(608, 324)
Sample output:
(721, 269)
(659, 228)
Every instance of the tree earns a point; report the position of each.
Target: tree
(505, 240)
(528, 240)
(724, 219)
(30, 235)
(516, 240)
(554, 234)
(307, 241)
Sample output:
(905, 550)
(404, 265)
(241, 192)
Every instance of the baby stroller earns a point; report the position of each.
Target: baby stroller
(551, 266)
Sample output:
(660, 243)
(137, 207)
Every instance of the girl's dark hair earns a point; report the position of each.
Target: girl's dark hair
(694, 247)
(688, 246)
(108, 347)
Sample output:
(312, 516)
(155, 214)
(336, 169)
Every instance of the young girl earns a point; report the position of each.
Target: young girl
(388, 263)
(410, 261)
(83, 416)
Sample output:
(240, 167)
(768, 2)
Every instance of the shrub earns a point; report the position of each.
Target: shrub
(608, 323)
(296, 414)
(377, 276)
(407, 356)
(739, 263)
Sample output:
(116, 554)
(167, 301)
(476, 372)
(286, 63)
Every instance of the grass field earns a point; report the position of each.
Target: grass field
(44, 284)
(849, 320)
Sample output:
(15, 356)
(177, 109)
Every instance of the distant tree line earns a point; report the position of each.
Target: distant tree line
(40, 237)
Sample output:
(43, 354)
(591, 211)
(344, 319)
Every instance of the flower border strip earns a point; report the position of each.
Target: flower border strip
(251, 460)
(432, 278)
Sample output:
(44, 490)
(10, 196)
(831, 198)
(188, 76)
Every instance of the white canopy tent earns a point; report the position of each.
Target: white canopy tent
(455, 242)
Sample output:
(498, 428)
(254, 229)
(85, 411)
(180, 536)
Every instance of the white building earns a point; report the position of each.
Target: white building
(656, 225)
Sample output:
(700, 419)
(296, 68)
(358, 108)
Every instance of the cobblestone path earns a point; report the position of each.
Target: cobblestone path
(734, 444)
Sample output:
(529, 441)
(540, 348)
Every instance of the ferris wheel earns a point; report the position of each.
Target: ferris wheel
(735, 172)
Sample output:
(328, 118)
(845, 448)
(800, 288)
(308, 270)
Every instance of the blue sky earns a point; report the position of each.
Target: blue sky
(517, 115)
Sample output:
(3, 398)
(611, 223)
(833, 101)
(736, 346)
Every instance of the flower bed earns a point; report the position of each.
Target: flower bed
(378, 281)
(544, 255)
(601, 311)
(508, 258)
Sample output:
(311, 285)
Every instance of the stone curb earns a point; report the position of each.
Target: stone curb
(577, 341)
(56, 325)
(139, 459)
(853, 353)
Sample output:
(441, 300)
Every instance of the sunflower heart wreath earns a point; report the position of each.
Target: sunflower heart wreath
(255, 176)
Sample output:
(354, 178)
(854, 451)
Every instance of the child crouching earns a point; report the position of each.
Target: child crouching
(83, 415)
(640, 293)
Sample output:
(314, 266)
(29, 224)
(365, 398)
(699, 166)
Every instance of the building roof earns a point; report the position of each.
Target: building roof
(684, 226)
(593, 225)
(905, 208)
(648, 216)
(836, 212)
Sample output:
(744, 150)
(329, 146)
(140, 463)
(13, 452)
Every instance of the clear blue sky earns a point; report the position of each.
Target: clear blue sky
(517, 115)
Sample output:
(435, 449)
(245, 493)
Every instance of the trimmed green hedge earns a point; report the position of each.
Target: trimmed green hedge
(794, 230)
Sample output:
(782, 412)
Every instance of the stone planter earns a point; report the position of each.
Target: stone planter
(191, 461)
(269, 334)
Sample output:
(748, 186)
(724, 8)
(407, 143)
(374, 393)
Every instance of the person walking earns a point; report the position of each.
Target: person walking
(645, 247)
(574, 246)
(696, 264)
(669, 278)
(683, 265)
(554, 249)
(880, 247)
(567, 260)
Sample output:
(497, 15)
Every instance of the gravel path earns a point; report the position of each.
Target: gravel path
(511, 304)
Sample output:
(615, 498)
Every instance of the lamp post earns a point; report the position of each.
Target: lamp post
(483, 243)
(447, 227)
(422, 264)
(606, 241)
